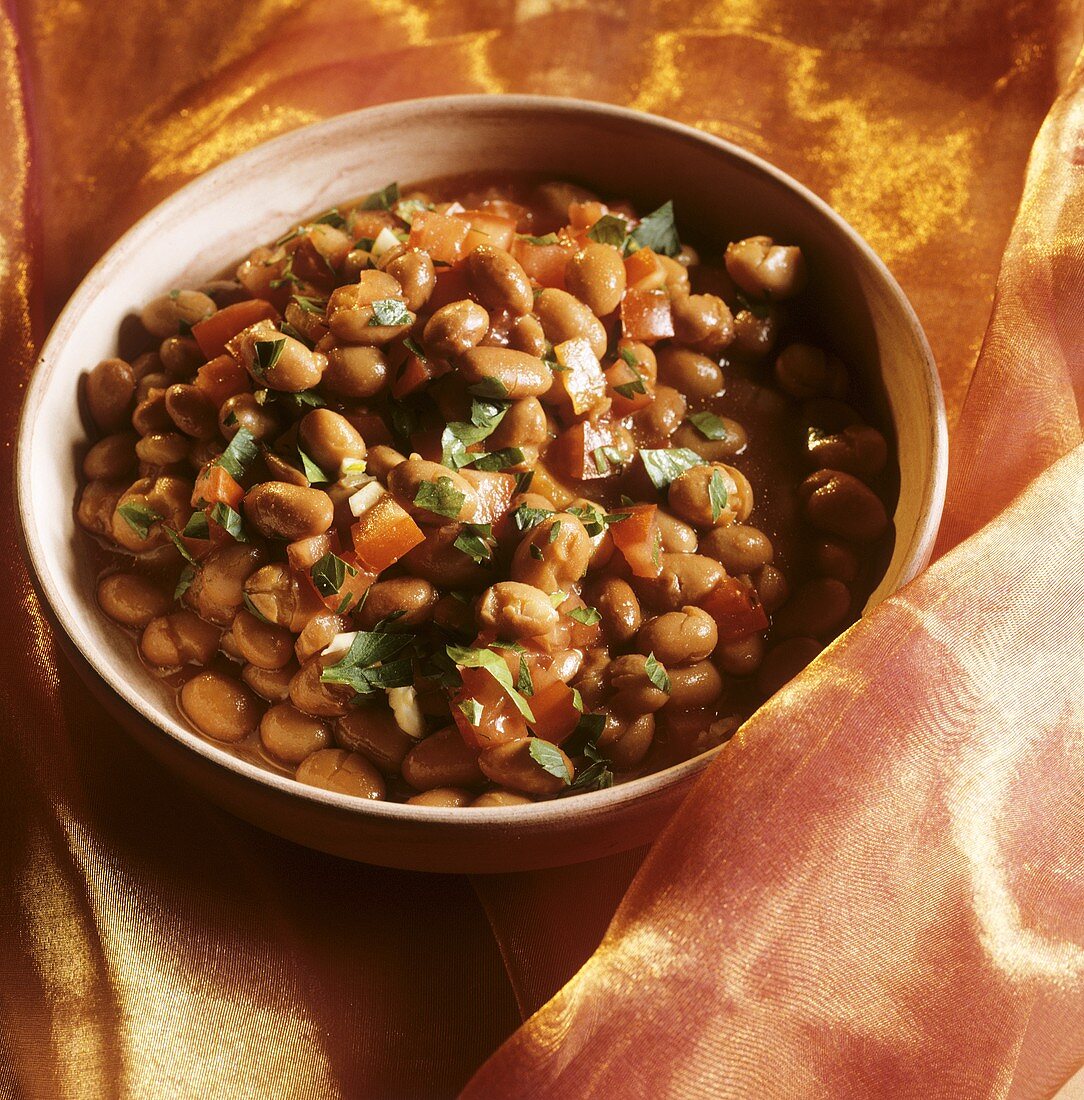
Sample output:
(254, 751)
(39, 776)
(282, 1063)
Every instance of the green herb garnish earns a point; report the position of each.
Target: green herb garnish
(441, 497)
(499, 460)
(709, 425)
(586, 615)
(497, 667)
(197, 527)
(313, 473)
(610, 229)
(525, 517)
(658, 232)
(550, 759)
(139, 517)
(459, 435)
(384, 199)
(718, 495)
(329, 574)
(267, 353)
(657, 674)
(367, 665)
(389, 311)
(230, 521)
(549, 238)
(476, 541)
(663, 466)
(241, 451)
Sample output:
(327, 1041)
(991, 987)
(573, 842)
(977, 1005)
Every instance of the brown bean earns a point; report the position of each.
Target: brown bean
(97, 506)
(784, 661)
(341, 772)
(180, 356)
(686, 579)
(677, 537)
(511, 765)
(382, 460)
(641, 357)
(410, 600)
(596, 275)
(329, 439)
(317, 634)
(110, 390)
(167, 497)
(839, 504)
(554, 554)
(756, 331)
(677, 277)
(702, 321)
(523, 425)
(740, 658)
(525, 334)
(418, 479)
(816, 609)
(564, 318)
(440, 562)
(689, 372)
(805, 372)
(497, 797)
(149, 384)
(696, 685)
(679, 638)
(132, 599)
(163, 448)
(739, 548)
(373, 732)
(220, 707)
(513, 611)
(626, 741)
(504, 373)
(279, 510)
(276, 360)
(828, 416)
(616, 602)
(772, 587)
(288, 736)
(442, 797)
(442, 760)
(714, 495)
(111, 458)
(857, 449)
(663, 416)
(272, 684)
(351, 316)
(314, 696)
(455, 328)
(260, 643)
(275, 593)
(167, 314)
(244, 411)
(413, 270)
(354, 370)
(151, 414)
(217, 589)
(192, 411)
(632, 689)
(498, 280)
(833, 559)
(179, 638)
(766, 269)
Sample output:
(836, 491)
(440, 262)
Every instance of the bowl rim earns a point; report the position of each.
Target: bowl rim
(206, 185)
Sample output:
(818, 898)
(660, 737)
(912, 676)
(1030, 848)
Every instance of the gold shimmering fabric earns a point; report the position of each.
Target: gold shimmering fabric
(877, 889)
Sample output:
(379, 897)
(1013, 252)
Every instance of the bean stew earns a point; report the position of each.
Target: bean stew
(484, 492)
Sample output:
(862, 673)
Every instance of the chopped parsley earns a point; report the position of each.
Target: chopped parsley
(440, 497)
(476, 541)
(598, 775)
(459, 434)
(389, 311)
(586, 615)
(549, 238)
(500, 460)
(718, 495)
(197, 527)
(329, 574)
(658, 232)
(657, 674)
(230, 521)
(610, 229)
(184, 581)
(384, 199)
(709, 425)
(311, 305)
(241, 451)
(526, 517)
(331, 217)
(266, 354)
(663, 466)
(367, 665)
(550, 759)
(139, 517)
(414, 348)
(313, 473)
(497, 667)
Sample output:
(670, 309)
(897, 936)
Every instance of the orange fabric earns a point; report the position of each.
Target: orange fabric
(883, 905)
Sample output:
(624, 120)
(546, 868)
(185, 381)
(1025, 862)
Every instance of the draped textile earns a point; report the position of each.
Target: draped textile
(888, 903)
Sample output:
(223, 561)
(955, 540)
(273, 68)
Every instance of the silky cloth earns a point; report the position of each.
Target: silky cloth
(887, 904)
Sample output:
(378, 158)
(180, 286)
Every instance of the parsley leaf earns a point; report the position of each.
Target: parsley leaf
(384, 199)
(197, 527)
(241, 451)
(230, 521)
(658, 232)
(657, 674)
(313, 473)
(663, 466)
(550, 759)
(184, 581)
(267, 353)
(718, 495)
(525, 517)
(476, 541)
(139, 517)
(389, 311)
(367, 665)
(414, 348)
(311, 305)
(586, 615)
(459, 435)
(441, 497)
(549, 238)
(709, 425)
(181, 548)
(500, 460)
(407, 208)
(329, 574)
(610, 229)
(331, 217)
(497, 667)
(473, 710)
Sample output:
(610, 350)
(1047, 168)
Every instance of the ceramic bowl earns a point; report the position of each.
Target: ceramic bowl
(722, 190)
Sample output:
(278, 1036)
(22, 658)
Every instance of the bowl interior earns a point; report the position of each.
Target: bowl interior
(719, 192)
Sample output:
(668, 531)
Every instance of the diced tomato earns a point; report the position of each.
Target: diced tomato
(215, 485)
(583, 215)
(555, 713)
(370, 425)
(546, 482)
(494, 490)
(736, 609)
(582, 379)
(487, 227)
(439, 235)
(505, 209)
(416, 373)
(354, 586)
(644, 271)
(544, 263)
(581, 450)
(383, 534)
(305, 553)
(638, 392)
(365, 225)
(645, 315)
(638, 540)
(500, 719)
(583, 635)
(223, 377)
(451, 287)
(220, 328)
(311, 267)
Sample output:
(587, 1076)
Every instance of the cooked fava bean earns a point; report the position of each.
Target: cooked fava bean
(766, 269)
(373, 731)
(342, 772)
(220, 707)
(525, 334)
(261, 643)
(513, 610)
(636, 687)
(442, 760)
(179, 638)
(616, 602)
(685, 580)
(132, 599)
(408, 601)
(275, 594)
(151, 414)
(833, 559)
(110, 390)
(439, 561)
(663, 416)
(772, 587)
(382, 460)
(703, 321)
(675, 537)
(371, 311)
(626, 741)
(149, 384)
(677, 277)
(806, 372)
(444, 798)
(784, 661)
(97, 505)
(553, 556)
(112, 457)
(192, 411)
(288, 736)
(739, 548)
(244, 411)
(711, 496)
(596, 275)
(504, 373)
(163, 448)
(498, 280)
(524, 424)
(417, 277)
(278, 510)
(564, 318)
(689, 372)
(277, 361)
(175, 312)
(329, 439)
(740, 658)
(755, 332)
(679, 638)
(454, 328)
(318, 697)
(272, 684)
(857, 449)
(167, 499)
(696, 685)
(317, 634)
(432, 493)
(497, 798)
(217, 590)
(841, 505)
(354, 370)
(512, 765)
(180, 356)
(816, 609)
